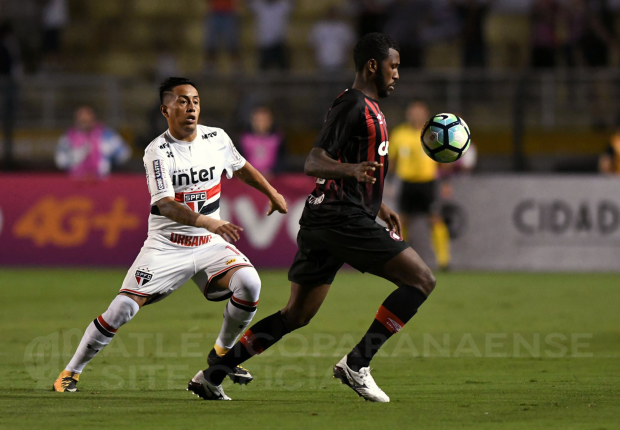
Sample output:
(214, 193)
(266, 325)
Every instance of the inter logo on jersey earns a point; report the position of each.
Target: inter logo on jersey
(196, 200)
(142, 277)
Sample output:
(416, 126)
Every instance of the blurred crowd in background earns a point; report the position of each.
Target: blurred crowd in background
(536, 80)
(562, 33)
(270, 68)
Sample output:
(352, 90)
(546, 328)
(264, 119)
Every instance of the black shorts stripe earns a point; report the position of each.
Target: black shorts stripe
(102, 330)
(242, 307)
(206, 210)
(210, 208)
(133, 294)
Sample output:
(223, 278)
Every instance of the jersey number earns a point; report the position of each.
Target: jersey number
(383, 148)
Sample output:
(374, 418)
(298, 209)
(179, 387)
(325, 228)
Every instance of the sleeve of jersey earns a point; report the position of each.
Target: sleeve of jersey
(157, 176)
(233, 159)
(341, 120)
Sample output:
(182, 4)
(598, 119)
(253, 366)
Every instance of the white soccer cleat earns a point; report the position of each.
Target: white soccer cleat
(361, 382)
(206, 390)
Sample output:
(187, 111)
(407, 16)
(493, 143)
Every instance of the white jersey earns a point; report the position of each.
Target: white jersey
(191, 173)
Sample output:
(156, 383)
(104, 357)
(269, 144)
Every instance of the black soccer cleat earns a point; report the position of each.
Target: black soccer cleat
(239, 375)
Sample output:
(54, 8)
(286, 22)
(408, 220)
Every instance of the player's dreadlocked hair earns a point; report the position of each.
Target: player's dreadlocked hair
(170, 83)
(373, 46)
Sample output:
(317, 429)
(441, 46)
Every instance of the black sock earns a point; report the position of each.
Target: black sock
(255, 340)
(394, 313)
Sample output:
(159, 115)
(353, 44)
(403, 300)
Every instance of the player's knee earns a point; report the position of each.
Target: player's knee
(245, 285)
(121, 311)
(428, 281)
(295, 320)
(422, 277)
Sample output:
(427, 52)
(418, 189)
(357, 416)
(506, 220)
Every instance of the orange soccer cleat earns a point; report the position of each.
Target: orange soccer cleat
(66, 382)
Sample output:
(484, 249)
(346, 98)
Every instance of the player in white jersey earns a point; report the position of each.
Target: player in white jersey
(186, 237)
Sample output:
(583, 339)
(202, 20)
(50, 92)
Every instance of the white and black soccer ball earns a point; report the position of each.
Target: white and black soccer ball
(445, 138)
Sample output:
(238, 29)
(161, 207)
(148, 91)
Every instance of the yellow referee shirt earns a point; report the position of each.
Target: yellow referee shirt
(412, 164)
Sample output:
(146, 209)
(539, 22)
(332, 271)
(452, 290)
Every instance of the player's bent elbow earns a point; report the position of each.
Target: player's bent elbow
(165, 205)
(313, 161)
(308, 167)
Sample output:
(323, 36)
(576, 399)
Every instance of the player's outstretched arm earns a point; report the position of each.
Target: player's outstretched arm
(254, 178)
(320, 165)
(177, 212)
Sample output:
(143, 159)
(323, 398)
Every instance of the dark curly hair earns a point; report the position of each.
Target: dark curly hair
(373, 46)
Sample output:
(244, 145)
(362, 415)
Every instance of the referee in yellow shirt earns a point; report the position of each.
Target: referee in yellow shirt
(418, 176)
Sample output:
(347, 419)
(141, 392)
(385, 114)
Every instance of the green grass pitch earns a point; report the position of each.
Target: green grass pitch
(500, 351)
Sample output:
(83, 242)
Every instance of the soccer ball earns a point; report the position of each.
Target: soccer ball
(445, 138)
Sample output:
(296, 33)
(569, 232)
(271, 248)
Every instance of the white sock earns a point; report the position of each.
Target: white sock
(99, 333)
(241, 308)
(235, 322)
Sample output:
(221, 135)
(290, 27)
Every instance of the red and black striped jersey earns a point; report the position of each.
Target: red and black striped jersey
(354, 131)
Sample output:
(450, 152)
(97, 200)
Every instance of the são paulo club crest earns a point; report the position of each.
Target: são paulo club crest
(196, 200)
(143, 277)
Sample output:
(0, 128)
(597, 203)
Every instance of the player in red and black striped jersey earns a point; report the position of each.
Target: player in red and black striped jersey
(354, 132)
(338, 225)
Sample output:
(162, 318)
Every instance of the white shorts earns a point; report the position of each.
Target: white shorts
(156, 273)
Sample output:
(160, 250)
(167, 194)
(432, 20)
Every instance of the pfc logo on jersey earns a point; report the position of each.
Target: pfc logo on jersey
(142, 277)
(196, 200)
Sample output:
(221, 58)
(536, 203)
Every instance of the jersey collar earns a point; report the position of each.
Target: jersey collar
(362, 93)
(181, 142)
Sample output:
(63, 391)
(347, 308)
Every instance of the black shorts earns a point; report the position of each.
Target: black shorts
(362, 243)
(417, 197)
